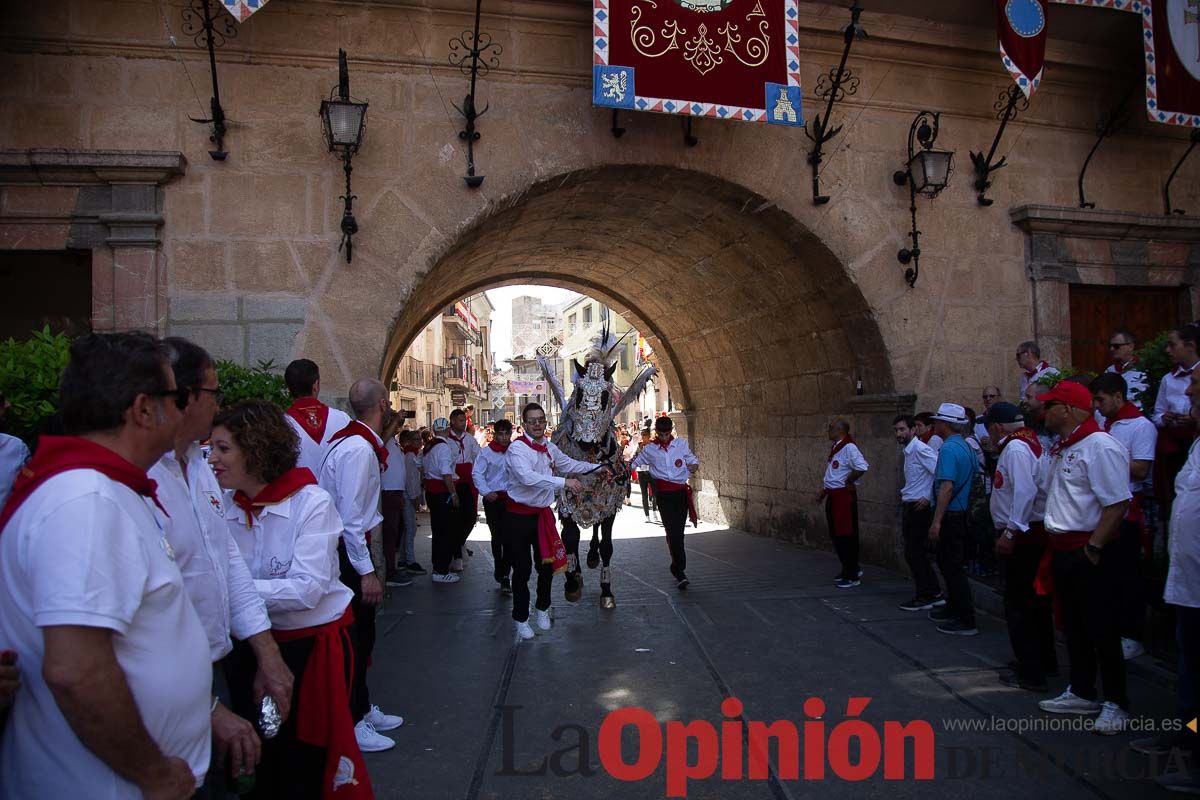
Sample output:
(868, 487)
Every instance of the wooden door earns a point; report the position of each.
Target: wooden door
(1096, 311)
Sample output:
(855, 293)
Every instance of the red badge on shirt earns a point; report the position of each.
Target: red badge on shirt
(997, 480)
(835, 465)
(679, 462)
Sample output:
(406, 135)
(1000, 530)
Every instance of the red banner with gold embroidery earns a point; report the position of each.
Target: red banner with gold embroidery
(724, 59)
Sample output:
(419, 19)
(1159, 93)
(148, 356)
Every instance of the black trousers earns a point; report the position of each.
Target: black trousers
(1029, 616)
(363, 639)
(468, 513)
(1090, 601)
(951, 558)
(1127, 553)
(914, 526)
(443, 520)
(846, 547)
(648, 494)
(289, 767)
(494, 513)
(674, 510)
(521, 546)
(1187, 636)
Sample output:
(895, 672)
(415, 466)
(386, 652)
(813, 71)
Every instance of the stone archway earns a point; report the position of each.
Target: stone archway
(764, 332)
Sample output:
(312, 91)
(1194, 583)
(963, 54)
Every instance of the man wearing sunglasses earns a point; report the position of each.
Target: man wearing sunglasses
(1121, 345)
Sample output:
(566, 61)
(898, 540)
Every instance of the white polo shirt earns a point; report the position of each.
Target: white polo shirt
(531, 478)
(1172, 394)
(395, 476)
(1139, 436)
(1135, 380)
(1018, 491)
(465, 450)
(1082, 480)
(839, 467)
(351, 475)
(312, 453)
(85, 550)
(291, 550)
(439, 461)
(490, 472)
(920, 461)
(214, 574)
(1041, 370)
(667, 464)
(13, 455)
(1183, 576)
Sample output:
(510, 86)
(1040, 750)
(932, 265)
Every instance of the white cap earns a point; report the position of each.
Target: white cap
(947, 412)
(441, 424)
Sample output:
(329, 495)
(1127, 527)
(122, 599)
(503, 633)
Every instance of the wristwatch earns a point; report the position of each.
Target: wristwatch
(1009, 535)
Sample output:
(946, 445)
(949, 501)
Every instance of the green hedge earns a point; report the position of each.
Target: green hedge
(261, 382)
(29, 373)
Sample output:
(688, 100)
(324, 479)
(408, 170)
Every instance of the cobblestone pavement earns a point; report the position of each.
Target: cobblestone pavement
(762, 622)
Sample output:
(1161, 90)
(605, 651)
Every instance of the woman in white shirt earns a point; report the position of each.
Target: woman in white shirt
(287, 529)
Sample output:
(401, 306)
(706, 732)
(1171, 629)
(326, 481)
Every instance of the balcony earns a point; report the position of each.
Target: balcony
(416, 374)
(460, 324)
(461, 374)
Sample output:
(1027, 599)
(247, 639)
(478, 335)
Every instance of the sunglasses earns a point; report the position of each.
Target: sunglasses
(181, 396)
(218, 394)
(1117, 345)
(990, 396)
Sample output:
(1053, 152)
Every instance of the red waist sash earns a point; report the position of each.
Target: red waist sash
(435, 486)
(324, 702)
(842, 502)
(550, 545)
(670, 486)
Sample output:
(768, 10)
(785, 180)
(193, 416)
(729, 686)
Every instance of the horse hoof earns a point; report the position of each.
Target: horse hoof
(593, 559)
(608, 602)
(574, 596)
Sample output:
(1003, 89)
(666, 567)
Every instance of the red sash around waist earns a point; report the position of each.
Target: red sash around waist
(324, 708)
(550, 545)
(464, 472)
(435, 486)
(841, 503)
(670, 486)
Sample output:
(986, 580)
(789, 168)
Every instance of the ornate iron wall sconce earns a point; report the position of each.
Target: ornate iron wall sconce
(198, 23)
(344, 120)
(1109, 124)
(1195, 140)
(474, 53)
(1008, 105)
(841, 83)
(927, 172)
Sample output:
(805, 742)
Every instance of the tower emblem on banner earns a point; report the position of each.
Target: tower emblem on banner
(723, 59)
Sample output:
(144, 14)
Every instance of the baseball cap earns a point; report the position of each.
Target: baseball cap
(1069, 393)
(441, 424)
(1002, 414)
(952, 413)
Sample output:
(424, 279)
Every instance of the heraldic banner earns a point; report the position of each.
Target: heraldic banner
(723, 59)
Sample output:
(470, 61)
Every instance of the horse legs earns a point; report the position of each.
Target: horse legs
(573, 587)
(593, 556)
(607, 600)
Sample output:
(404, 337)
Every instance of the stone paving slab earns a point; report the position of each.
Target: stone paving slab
(763, 623)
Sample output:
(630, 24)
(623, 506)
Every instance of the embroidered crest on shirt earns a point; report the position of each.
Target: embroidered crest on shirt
(344, 776)
(998, 480)
(835, 465)
(679, 462)
(214, 502)
(278, 567)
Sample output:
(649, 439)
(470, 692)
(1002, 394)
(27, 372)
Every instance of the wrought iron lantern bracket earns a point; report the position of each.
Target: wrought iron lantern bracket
(474, 53)
(1008, 105)
(1167, 206)
(1109, 124)
(345, 121)
(832, 87)
(924, 131)
(198, 22)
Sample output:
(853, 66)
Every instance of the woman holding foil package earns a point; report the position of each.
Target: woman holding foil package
(287, 530)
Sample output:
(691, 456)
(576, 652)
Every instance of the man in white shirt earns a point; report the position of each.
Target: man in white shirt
(13, 455)
(441, 494)
(351, 474)
(397, 548)
(1018, 505)
(1183, 592)
(916, 513)
(844, 466)
(1033, 368)
(414, 492)
(532, 460)
(923, 424)
(1176, 428)
(215, 576)
(1087, 494)
(116, 674)
(672, 464)
(313, 421)
(1121, 345)
(465, 450)
(1129, 426)
(490, 473)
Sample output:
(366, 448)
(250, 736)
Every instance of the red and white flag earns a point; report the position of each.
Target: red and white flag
(1021, 28)
(1173, 63)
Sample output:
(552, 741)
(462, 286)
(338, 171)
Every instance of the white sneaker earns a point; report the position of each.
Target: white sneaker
(381, 721)
(523, 630)
(456, 565)
(543, 619)
(369, 740)
(1069, 703)
(449, 577)
(1112, 719)
(1132, 648)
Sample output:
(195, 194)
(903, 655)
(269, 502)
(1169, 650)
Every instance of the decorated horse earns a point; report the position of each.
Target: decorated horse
(587, 432)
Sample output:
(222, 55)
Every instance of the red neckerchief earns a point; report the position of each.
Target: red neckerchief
(311, 415)
(432, 443)
(664, 445)
(57, 454)
(1127, 411)
(926, 436)
(1041, 365)
(1180, 372)
(356, 428)
(462, 448)
(496, 447)
(838, 445)
(274, 492)
(1122, 367)
(1085, 429)
(1026, 435)
(541, 448)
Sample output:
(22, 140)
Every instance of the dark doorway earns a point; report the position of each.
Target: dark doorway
(45, 288)
(1096, 311)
